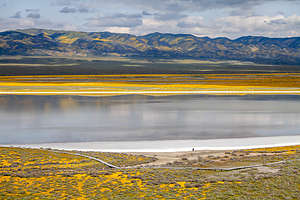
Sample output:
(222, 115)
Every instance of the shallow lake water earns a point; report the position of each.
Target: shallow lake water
(65, 119)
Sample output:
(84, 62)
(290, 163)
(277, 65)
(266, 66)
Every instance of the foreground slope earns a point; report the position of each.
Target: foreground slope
(43, 174)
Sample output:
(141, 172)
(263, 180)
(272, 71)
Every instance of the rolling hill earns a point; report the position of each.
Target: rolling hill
(152, 46)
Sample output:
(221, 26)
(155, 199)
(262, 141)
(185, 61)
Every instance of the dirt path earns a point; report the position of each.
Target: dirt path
(164, 158)
(89, 157)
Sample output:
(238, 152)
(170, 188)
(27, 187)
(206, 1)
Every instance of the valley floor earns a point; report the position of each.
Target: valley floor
(154, 84)
(114, 76)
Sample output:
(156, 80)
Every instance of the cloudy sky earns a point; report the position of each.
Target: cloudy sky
(213, 18)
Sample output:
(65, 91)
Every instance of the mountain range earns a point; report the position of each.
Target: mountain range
(151, 46)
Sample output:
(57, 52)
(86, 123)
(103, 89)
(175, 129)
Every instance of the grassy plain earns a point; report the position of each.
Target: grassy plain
(63, 74)
(42, 174)
(150, 83)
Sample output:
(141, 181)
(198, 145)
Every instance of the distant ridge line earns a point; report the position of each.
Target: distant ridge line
(39, 31)
(43, 42)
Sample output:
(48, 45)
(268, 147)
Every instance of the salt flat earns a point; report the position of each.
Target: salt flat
(173, 145)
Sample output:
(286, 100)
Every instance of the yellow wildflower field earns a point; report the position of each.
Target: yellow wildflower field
(151, 83)
(44, 174)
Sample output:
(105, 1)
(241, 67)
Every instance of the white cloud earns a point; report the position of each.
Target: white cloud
(153, 25)
(24, 23)
(230, 26)
(191, 21)
(118, 20)
(272, 26)
(34, 15)
(118, 29)
(213, 18)
(17, 15)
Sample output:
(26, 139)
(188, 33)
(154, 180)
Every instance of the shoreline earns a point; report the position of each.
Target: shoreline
(171, 145)
(153, 93)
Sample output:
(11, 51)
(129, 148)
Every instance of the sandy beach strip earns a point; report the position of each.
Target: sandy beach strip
(172, 145)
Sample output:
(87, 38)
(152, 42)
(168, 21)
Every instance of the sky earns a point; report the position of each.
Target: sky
(212, 18)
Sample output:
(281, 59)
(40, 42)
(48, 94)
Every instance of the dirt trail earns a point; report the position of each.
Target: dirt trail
(169, 157)
(166, 157)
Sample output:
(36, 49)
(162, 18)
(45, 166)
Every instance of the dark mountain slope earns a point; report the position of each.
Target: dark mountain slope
(154, 45)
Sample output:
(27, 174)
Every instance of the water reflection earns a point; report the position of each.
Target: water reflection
(45, 119)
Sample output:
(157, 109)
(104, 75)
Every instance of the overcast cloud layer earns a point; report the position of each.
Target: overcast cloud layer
(213, 18)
